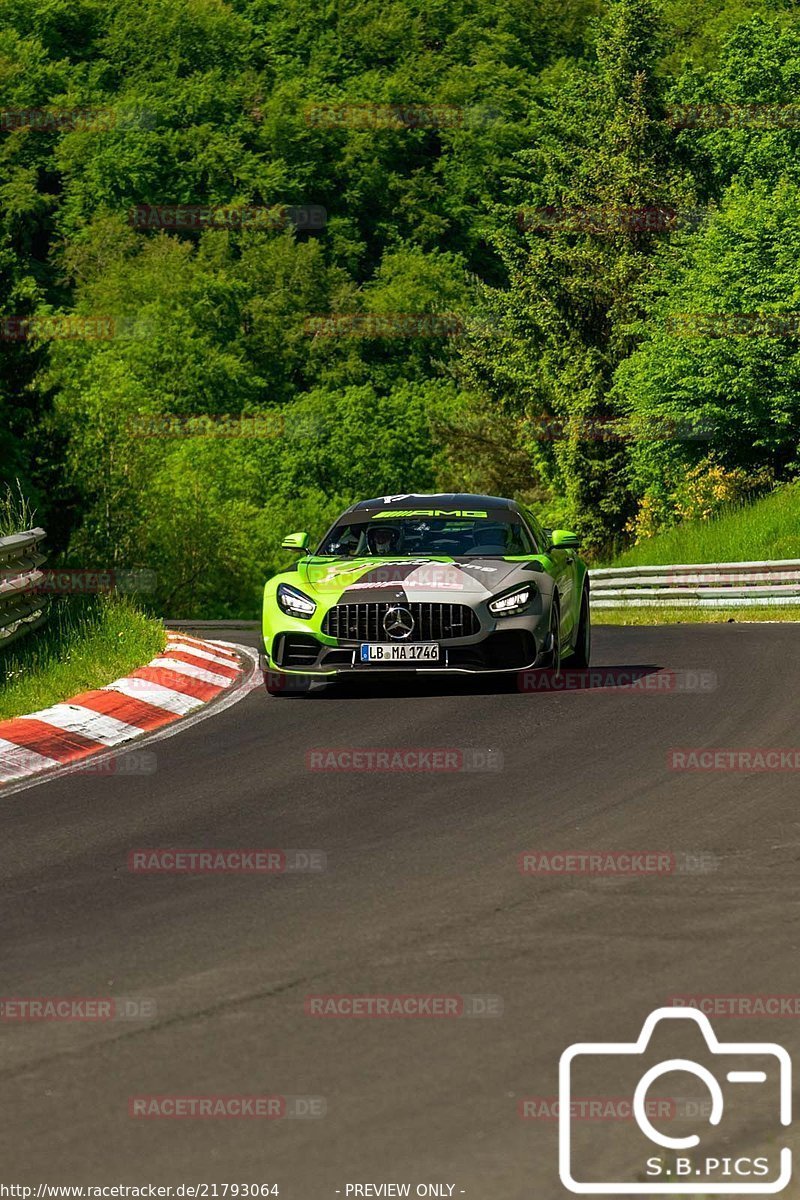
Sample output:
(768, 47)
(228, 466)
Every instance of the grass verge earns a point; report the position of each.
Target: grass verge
(768, 528)
(16, 513)
(85, 644)
(693, 616)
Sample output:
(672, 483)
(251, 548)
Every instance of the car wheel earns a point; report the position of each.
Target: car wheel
(555, 638)
(579, 658)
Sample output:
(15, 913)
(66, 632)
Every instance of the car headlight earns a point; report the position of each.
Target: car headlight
(294, 602)
(506, 606)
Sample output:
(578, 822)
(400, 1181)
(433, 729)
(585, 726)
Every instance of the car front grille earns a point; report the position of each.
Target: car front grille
(432, 622)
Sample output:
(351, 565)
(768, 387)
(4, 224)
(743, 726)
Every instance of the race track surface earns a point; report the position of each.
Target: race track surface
(422, 894)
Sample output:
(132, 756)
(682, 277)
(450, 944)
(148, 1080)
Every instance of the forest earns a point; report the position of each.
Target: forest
(259, 260)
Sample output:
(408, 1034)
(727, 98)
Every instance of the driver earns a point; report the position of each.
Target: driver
(383, 540)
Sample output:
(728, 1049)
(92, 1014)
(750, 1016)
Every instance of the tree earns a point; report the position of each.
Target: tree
(600, 177)
(715, 383)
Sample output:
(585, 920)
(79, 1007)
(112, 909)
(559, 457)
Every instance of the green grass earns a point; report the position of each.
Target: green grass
(768, 528)
(16, 514)
(85, 644)
(692, 616)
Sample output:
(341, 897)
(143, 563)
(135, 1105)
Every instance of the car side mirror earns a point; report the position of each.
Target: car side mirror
(562, 539)
(295, 541)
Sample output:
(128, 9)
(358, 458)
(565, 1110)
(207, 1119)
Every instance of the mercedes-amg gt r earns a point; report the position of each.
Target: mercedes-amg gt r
(444, 583)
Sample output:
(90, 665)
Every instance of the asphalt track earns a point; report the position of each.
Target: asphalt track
(422, 894)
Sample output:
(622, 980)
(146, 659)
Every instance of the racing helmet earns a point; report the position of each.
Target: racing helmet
(383, 539)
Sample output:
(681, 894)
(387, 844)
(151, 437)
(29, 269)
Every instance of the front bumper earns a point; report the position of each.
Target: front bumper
(500, 650)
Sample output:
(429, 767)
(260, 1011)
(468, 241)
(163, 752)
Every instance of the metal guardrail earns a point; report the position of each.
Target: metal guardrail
(22, 606)
(699, 585)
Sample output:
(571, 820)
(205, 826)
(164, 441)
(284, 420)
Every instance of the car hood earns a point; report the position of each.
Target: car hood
(353, 581)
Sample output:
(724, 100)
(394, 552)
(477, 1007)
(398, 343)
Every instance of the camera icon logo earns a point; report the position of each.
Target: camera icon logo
(673, 1165)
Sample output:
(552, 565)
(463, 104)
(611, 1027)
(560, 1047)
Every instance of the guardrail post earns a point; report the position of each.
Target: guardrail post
(23, 607)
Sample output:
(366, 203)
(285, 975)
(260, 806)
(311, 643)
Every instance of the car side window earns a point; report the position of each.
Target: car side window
(518, 540)
(535, 533)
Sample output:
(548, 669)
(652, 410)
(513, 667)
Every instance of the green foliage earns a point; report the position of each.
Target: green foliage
(701, 31)
(213, 513)
(16, 514)
(756, 78)
(664, 615)
(768, 528)
(601, 153)
(85, 644)
(526, 105)
(733, 394)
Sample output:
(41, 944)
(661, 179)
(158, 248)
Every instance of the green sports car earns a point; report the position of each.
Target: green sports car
(444, 583)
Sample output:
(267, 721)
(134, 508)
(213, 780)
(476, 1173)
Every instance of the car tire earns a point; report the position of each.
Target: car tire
(579, 658)
(555, 634)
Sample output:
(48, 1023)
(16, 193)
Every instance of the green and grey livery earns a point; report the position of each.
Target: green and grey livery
(427, 583)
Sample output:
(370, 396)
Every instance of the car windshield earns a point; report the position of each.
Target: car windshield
(387, 536)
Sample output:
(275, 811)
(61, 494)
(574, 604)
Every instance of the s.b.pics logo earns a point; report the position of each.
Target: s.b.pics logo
(718, 1092)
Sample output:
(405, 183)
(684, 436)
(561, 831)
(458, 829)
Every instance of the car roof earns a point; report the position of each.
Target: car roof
(451, 500)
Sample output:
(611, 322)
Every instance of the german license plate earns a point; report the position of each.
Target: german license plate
(390, 652)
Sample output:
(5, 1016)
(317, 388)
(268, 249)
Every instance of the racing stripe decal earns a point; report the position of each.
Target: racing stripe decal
(383, 581)
(426, 580)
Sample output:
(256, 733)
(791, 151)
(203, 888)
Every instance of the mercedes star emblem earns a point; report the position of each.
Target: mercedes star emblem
(398, 623)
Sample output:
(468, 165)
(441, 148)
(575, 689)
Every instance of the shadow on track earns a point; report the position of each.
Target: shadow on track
(616, 677)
